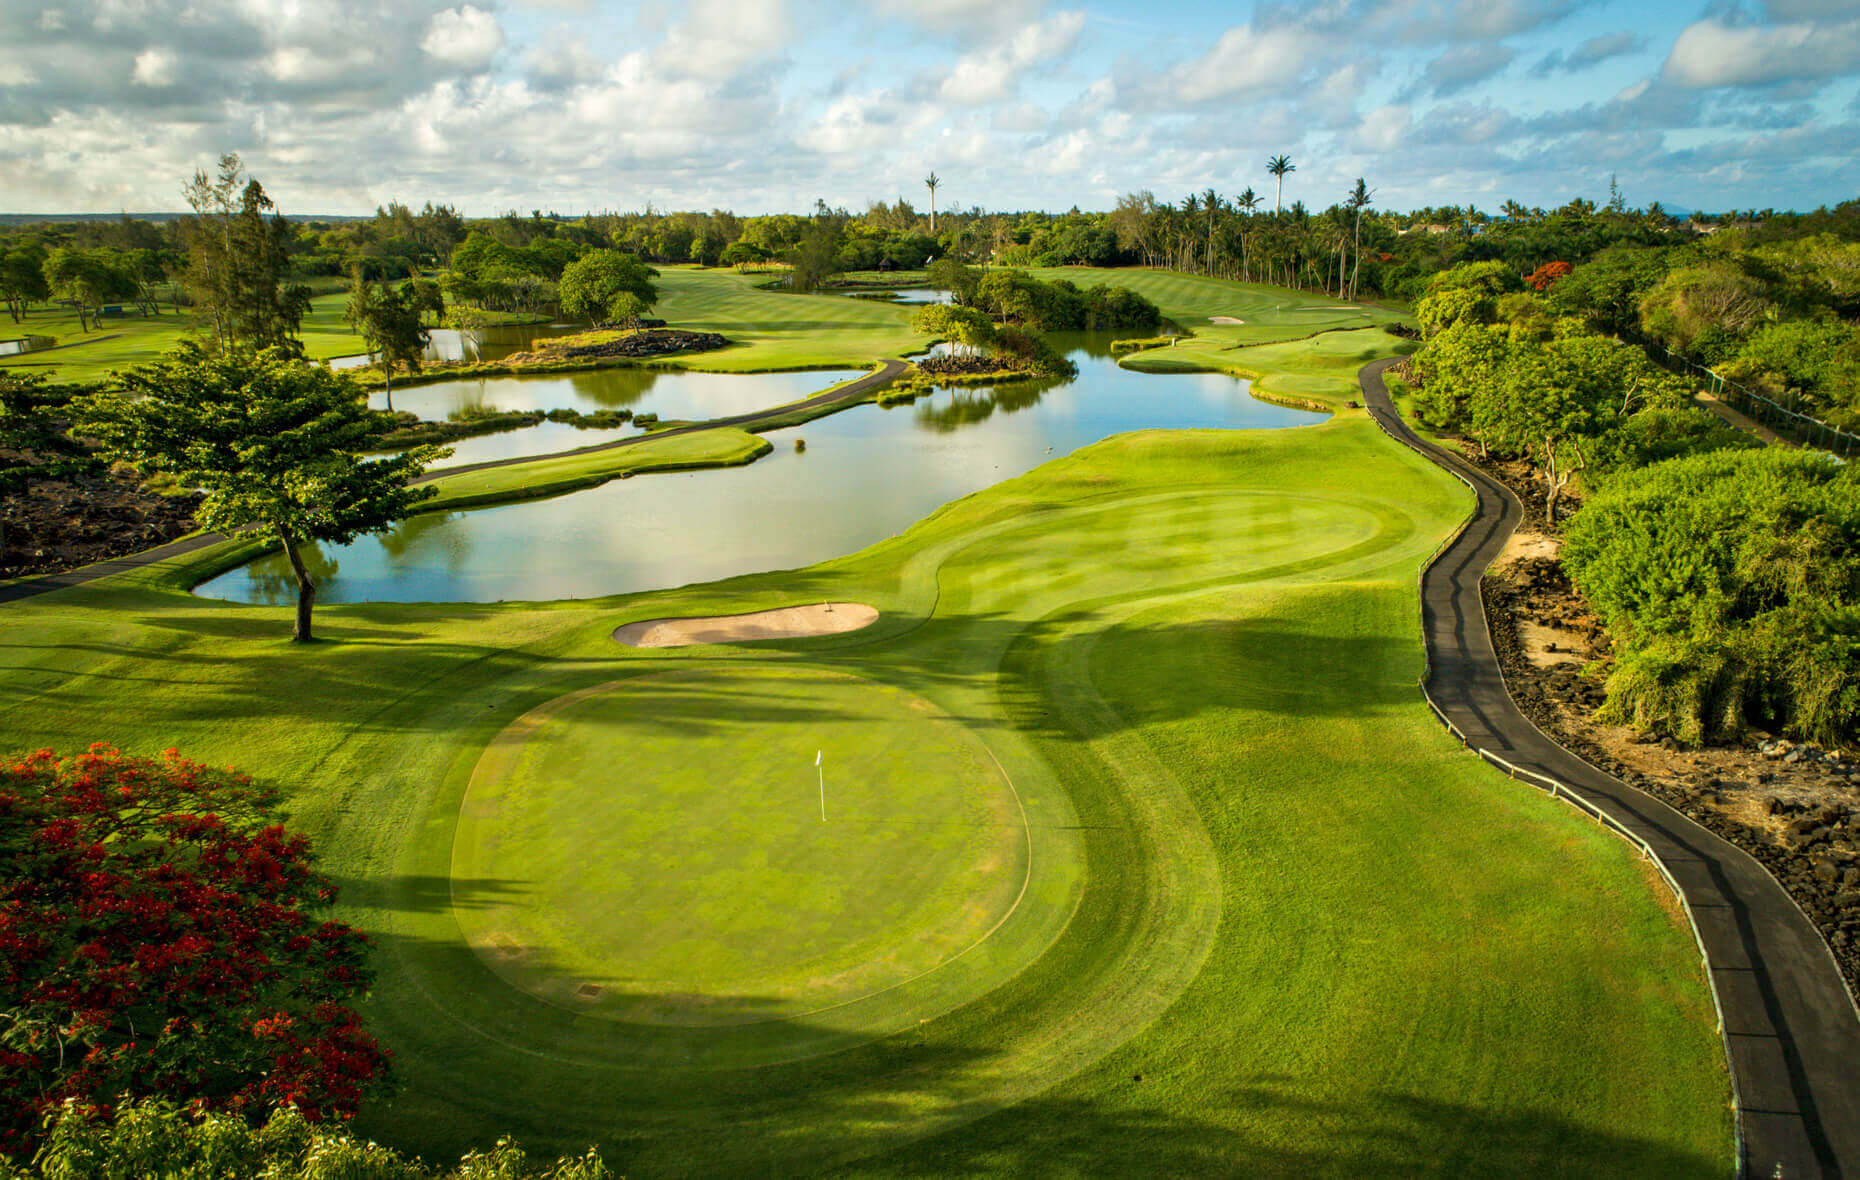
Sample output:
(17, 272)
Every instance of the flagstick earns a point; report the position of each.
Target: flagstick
(823, 788)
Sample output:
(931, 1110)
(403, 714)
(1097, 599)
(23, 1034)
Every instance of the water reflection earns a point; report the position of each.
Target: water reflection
(456, 346)
(866, 474)
(671, 394)
(21, 344)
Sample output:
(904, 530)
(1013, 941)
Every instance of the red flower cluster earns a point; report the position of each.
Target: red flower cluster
(1546, 276)
(156, 940)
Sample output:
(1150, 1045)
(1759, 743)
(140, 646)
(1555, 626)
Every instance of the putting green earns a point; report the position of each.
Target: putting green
(663, 860)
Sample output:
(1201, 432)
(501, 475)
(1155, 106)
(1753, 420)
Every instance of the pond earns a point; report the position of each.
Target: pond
(669, 393)
(866, 474)
(20, 344)
(491, 343)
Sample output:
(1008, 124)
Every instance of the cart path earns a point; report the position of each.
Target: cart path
(1791, 1028)
(847, 394)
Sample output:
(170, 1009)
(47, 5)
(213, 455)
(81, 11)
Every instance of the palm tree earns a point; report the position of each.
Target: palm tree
(1247, 202)
(1211, 203)
(1359, 200)
(1279, 166)
(931, 182)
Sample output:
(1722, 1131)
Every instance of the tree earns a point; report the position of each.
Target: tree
(389, 322)
(965, 327)
(954, 276)
(1278, 166)
(22, 278)
(88, 278)
(270, 439)
(1359, 200)
(608, 285)
(158, 937)
(930, 182)
(237, 258)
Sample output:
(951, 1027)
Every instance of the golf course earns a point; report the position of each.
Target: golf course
(1122, 841)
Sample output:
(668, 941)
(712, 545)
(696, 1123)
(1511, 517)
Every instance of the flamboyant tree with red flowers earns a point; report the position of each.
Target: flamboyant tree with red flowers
(158, 937)
(1547, 275)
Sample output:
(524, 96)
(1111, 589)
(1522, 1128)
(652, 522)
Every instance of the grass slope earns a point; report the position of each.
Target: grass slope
(1291, 927)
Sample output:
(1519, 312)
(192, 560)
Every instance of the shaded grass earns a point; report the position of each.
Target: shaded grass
(1306, 933)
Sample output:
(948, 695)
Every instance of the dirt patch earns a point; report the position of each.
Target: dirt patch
(1225, 319)
(61, 524)
(788, 622)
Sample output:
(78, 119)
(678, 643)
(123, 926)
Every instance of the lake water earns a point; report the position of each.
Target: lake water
(866, 474)
(669, 393)
(492, 343)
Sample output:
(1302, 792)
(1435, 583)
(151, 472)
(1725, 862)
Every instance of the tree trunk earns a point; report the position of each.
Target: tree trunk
(306, 589)
(387, 379)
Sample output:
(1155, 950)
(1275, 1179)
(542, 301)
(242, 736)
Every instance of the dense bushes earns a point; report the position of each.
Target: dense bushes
(1732, 583)
(158, 937)
(161, 1139)
(1016, 297)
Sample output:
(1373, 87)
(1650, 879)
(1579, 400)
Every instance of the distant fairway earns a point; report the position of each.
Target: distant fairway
(669, 864)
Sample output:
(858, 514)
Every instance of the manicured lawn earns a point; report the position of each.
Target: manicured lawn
(83, 357)
(1275, 922)
(1269, 313)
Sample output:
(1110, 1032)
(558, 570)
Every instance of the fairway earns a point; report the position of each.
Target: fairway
(1144, 855)
(674, 855)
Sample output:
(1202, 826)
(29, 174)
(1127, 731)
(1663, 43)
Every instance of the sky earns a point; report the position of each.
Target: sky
(761, 106)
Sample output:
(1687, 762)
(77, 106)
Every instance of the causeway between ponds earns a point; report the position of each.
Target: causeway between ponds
(1791, 1028)
(852, 391)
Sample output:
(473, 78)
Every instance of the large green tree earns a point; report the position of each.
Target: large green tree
(89, 279)
(237, 258)
(605, 285)
(389, 321)
(22, 277)
(270, 439)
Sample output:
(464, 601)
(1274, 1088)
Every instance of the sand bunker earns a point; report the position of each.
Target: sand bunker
(1225, 319)
(788, 622)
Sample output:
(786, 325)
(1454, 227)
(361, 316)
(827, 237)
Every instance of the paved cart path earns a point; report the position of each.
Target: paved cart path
(852, 392)
(1790, 1024)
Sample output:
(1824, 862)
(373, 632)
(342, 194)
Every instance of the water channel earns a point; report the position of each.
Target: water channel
(867, 473)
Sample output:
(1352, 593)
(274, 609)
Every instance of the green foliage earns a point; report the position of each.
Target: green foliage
(390, 321)
(1732, 580)
(22, 276)
(607, 285)
(1816, 361)
(965, 326)
(1015, 297)
(1607, 289)
(270, 440)
(955, 276)
(160, 1139)
(1704, 310)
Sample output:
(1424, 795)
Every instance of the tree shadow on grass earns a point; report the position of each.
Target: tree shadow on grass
(660, 1099)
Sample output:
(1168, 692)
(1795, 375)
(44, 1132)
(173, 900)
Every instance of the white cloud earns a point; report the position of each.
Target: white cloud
(993, 74)
(723, 38)
(465, 36)
(1384, 129)
(154, 67)
(1246, 60)
(1464, 66)
(1712, 53)
(966, 20)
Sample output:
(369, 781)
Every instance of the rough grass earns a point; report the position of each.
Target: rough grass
(1304, 932)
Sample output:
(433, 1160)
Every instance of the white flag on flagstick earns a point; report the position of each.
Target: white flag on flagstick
(817, 754)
